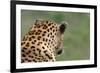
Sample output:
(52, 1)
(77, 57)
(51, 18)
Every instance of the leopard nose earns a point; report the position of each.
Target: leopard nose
(59, 52)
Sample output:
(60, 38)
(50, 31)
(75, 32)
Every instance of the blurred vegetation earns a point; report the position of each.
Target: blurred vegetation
(77, 34)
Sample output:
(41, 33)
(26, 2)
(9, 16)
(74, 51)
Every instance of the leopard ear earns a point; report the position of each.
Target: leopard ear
(62, 27)
(38, 21)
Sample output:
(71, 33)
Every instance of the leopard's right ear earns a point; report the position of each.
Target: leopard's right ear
(62, 27)
(38, 21)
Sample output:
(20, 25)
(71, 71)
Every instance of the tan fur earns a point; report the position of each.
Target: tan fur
(41, 43)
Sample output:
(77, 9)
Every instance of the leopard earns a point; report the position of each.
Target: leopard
(43, 42)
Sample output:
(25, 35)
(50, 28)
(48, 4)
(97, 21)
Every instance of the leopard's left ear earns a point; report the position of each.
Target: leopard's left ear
(38, 21)
(62, 27)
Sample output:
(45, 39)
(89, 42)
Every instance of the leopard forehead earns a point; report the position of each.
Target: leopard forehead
(43, 28)
(44, 25)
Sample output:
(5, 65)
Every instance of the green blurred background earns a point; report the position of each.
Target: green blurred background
(76, 37)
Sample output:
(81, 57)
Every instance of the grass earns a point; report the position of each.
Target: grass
(76, 37)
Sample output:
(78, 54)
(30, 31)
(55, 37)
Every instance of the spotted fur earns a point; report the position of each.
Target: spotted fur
(43, 42)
